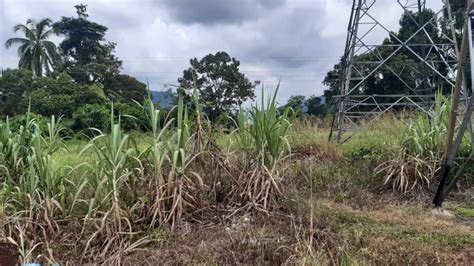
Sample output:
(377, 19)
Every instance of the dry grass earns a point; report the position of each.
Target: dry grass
(406, 172)
(175, 197)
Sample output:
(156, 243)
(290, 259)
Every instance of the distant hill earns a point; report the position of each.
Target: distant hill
(164, 98)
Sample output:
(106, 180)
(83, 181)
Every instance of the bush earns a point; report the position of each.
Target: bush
(45, 103)
(91, 116)
(21, 120)
(14, 83)
(131, 117)
(367, 150)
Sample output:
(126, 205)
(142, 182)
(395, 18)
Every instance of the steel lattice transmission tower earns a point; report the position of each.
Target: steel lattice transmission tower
(457, 164)
(428, 60)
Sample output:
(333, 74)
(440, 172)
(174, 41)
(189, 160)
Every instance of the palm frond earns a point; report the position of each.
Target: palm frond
(15, 40)
(41, 26)
(51, 50)
(45, 35)
(26, 60)
(29, 33)
(30, 21)
(24, 48)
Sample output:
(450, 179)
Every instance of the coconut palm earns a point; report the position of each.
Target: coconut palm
(36, 52)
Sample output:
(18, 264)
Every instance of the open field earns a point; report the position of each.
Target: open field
(329, 206)
(333, 211)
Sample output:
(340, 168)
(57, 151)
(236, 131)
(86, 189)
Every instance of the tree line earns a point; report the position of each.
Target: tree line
(81, 79)
(69, 79)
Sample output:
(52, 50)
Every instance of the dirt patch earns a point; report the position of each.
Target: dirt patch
(8, 254)
(318, 153)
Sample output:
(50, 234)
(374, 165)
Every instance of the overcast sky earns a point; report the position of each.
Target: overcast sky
(294, 41)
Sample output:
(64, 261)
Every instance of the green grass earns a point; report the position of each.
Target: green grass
(351, 224)
(465, 212)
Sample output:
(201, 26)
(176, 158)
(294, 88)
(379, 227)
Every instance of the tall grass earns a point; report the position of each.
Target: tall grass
(180, 182)
(427, 133)
(35, 192)
(112, 192)
(156, 156)
(262, 134)
(111, 177)
(269, 131)
(416, 158)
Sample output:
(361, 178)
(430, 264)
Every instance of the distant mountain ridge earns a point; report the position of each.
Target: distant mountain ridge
(163, 98)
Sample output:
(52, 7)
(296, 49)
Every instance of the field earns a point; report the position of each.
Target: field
(333, 211)
(95, 170)
(273, 190)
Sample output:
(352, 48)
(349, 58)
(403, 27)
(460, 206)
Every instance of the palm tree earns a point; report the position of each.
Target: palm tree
(35, 51)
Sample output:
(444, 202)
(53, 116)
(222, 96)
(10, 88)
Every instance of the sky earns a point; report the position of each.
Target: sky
(295, 42)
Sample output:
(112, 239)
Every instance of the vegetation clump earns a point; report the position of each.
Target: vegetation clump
(415, 160)
(262, 134)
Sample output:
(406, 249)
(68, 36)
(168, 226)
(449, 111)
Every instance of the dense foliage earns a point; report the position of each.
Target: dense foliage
(220, 83)
(83, 75)
(88, 57)
(45, 95)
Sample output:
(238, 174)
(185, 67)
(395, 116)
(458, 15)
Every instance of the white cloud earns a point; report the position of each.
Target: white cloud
(336, 18)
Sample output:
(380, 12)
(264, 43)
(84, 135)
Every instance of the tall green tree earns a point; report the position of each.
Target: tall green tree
(36, 52)
(14, 83)
(315, 106)
(296, 103)
(89, 58)
(219, 82)
(124, 88)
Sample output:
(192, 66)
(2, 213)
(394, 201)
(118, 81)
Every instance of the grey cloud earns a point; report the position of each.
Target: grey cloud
(212, 12)
(293, 40)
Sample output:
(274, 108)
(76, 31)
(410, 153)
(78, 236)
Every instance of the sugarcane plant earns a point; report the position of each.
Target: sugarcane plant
(262, 134)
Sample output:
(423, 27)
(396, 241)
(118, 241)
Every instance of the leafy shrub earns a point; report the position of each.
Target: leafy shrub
(90, 95)
(14, 83)
(22, 120)
(364, 151)
(59, 97)
(132, 117)
(124, 88)
(45, 103)
(91, 116)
